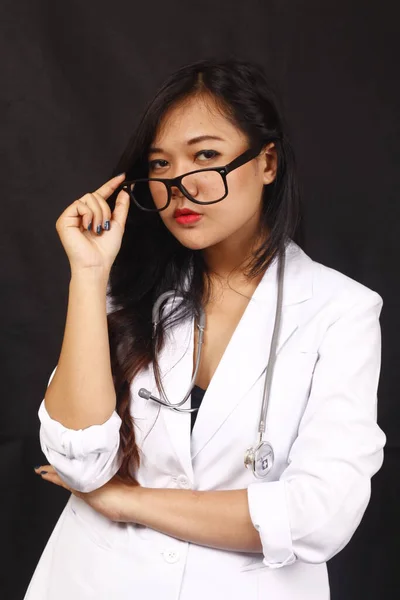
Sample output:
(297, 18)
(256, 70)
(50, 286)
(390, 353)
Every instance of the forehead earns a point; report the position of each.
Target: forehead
(195, 117)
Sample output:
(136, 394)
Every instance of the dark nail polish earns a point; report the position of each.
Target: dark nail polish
(107, 225)
(43, 472)
(98, 230)
(36, 467)
(89, 226)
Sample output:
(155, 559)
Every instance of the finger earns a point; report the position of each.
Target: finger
(56, 479)
(110, 186)
(121, 208)
(92, 202)
(106, 211)
(53, 477)
(47, 468)
(76, 214)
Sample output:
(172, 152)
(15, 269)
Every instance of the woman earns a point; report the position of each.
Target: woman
(162, 503)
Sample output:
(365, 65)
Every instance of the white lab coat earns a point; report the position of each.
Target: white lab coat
(321, 422)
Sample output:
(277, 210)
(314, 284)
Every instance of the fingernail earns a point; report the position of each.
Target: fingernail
(37, 467)
(107, 225)
(119, 175)
(43, 472)
(89, 226)
(98, 230)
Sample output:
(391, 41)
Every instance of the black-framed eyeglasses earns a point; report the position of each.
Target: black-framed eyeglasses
(204, 186)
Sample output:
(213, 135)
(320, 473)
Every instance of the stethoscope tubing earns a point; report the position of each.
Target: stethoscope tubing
(144, 393)
(272, 353)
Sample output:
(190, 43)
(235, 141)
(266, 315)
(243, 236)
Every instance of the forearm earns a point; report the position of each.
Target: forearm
(218, 519)
(81, 392)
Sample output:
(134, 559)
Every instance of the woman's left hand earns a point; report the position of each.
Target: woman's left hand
(115, 500)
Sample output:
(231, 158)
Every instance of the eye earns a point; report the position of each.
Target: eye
(159, 163)
(207, 155)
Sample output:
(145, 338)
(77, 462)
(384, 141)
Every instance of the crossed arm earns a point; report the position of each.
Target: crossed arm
(218, 519)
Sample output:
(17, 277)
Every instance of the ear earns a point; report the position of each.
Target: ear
(270, 163)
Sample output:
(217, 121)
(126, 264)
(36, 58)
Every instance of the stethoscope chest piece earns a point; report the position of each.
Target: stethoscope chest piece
(260, 459)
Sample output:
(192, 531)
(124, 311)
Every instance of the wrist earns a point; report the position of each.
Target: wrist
(90, 275)
(134, 503)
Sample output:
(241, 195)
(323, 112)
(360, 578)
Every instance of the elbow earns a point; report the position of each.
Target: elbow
(301, 523)
(322, 542)
(323, 545)
(85, 459)
(84, 474)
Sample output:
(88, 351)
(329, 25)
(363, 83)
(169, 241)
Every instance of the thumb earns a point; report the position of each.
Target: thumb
(121, 208)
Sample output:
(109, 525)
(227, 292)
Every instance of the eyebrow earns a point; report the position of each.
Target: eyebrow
(191, 142)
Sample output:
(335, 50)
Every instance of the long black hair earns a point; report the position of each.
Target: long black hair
(151, 260)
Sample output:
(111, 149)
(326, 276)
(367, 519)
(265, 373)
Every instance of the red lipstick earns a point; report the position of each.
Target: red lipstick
(185, 216)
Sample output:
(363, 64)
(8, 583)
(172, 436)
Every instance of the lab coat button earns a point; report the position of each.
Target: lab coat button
(170, 556)
(183, 482)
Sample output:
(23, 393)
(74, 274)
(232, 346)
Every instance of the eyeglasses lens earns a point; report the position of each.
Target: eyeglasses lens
(205, 186)
(150, 195)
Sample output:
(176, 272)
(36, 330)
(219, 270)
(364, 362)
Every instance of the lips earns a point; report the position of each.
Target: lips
(185, 216)
(179, 212)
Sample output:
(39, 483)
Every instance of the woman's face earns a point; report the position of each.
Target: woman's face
(196, 135)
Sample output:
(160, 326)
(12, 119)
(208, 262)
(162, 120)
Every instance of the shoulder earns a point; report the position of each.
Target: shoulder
(327, 285)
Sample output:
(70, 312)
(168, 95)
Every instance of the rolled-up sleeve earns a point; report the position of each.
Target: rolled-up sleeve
(314, 508)
(86, 458)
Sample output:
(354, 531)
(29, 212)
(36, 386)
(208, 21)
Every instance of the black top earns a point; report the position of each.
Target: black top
(196, 398)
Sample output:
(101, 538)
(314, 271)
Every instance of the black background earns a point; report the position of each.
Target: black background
(75, 78)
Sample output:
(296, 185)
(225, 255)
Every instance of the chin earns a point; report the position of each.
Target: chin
(197, 237)
(193, 240)
(193, 244)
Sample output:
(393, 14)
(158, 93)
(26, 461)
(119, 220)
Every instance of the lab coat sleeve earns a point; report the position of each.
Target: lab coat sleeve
(311, 513)
(86, 458)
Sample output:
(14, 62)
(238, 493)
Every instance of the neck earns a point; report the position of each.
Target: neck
(231, 257)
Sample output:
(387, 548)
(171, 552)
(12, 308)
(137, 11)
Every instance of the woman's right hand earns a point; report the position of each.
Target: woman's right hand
(86, 248)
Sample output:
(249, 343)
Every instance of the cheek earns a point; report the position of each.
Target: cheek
(244, 195)
(159, 193)
(223, 219)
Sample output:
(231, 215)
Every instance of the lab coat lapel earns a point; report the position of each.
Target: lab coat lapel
(246, 356)
(176, 366)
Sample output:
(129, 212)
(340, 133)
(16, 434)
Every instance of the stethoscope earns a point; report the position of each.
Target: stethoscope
(259, 458)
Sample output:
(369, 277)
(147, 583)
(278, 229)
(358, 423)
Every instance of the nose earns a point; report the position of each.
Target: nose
(189, 184)
(176, 192)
